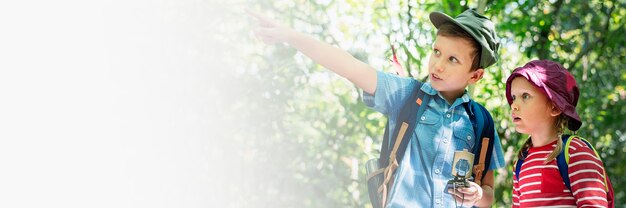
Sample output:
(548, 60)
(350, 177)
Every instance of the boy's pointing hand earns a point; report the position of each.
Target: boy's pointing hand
(269, 31)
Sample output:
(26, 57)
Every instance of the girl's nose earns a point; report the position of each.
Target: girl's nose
(514, 107)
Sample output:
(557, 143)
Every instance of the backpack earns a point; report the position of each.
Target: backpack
(562, 161)
(482, 123)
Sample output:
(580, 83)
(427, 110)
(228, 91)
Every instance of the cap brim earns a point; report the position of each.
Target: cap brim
(438, 18)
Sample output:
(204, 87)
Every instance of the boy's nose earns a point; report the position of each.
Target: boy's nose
(439, 65)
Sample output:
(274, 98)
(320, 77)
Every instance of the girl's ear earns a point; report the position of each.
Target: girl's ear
(476, 75)
(554, 111)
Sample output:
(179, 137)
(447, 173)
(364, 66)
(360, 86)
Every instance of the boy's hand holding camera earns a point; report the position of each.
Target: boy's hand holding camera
(468, 196)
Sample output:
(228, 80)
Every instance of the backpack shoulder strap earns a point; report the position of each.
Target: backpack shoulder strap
(518, 167)
(562, 160)
(392, 151)
(484, 131)
(519, 163)
(410, 111)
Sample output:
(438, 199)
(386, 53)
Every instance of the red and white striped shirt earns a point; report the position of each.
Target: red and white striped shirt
(541, 185)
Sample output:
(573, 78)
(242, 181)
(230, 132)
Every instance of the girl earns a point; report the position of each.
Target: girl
(543, 97)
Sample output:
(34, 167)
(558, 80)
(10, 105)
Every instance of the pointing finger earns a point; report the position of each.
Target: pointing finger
(264, 21)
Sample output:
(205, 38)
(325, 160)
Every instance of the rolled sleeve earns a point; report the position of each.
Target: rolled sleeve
(390, 90)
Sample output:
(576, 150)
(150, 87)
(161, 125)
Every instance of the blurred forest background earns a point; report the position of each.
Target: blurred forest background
(303, 134)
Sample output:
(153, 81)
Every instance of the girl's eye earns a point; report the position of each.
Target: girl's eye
(525, 96)
(454, 60)
(437, 52)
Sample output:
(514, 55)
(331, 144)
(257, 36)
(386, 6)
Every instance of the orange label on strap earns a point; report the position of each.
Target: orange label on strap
(418, 101)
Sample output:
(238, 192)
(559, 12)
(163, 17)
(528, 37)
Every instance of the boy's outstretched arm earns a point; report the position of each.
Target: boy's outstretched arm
(330, 57)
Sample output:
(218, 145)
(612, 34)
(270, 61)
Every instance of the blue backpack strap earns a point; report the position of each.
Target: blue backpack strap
(408, 115)
(519, 163)
(563, 159)
(483, 126)
(518, 167)
(562, 163)
(383, 158)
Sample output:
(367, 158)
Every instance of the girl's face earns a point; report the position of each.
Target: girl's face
(449, 66)
(531, 110)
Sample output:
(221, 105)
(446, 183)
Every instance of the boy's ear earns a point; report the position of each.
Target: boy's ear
(476, 75)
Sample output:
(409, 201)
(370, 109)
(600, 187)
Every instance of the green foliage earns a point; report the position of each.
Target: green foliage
(311, 134)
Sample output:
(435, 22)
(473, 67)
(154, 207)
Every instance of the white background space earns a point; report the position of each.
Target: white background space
(109, 103)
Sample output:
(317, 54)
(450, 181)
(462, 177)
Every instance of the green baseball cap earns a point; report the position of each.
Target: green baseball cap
(479, 27)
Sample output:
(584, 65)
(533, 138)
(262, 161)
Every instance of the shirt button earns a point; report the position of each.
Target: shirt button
(438, 201)
(469, 138)
(448, 115)
(445, 141)
(423, 118)
(437, 171)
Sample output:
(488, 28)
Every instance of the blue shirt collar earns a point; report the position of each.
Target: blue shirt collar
(428, 89)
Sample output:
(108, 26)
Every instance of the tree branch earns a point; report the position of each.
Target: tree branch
(542, 43)
(601, 41)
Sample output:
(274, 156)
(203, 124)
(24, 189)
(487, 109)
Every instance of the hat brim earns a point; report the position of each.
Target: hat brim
(573, 121)
(438, 19)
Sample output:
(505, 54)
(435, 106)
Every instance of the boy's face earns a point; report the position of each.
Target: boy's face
(449, 66)
(531, 110)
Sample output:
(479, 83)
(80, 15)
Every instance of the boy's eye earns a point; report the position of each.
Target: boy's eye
(437, 52)
(454, 60)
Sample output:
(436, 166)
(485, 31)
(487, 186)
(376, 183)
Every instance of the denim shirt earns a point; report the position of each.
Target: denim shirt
(443, 129)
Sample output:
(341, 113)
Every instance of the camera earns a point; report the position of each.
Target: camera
(375, 178)
(461, 170)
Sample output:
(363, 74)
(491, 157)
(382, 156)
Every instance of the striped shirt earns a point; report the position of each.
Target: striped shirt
(541, 185)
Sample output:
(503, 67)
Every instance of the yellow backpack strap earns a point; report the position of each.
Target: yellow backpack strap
(566, 151)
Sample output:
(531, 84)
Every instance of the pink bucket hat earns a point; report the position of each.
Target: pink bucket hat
(556, 82)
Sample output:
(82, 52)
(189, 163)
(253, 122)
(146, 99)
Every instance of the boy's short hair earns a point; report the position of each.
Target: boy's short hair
(479, 27)
(451, 30)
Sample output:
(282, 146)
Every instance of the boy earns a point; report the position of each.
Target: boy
(464, 46)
